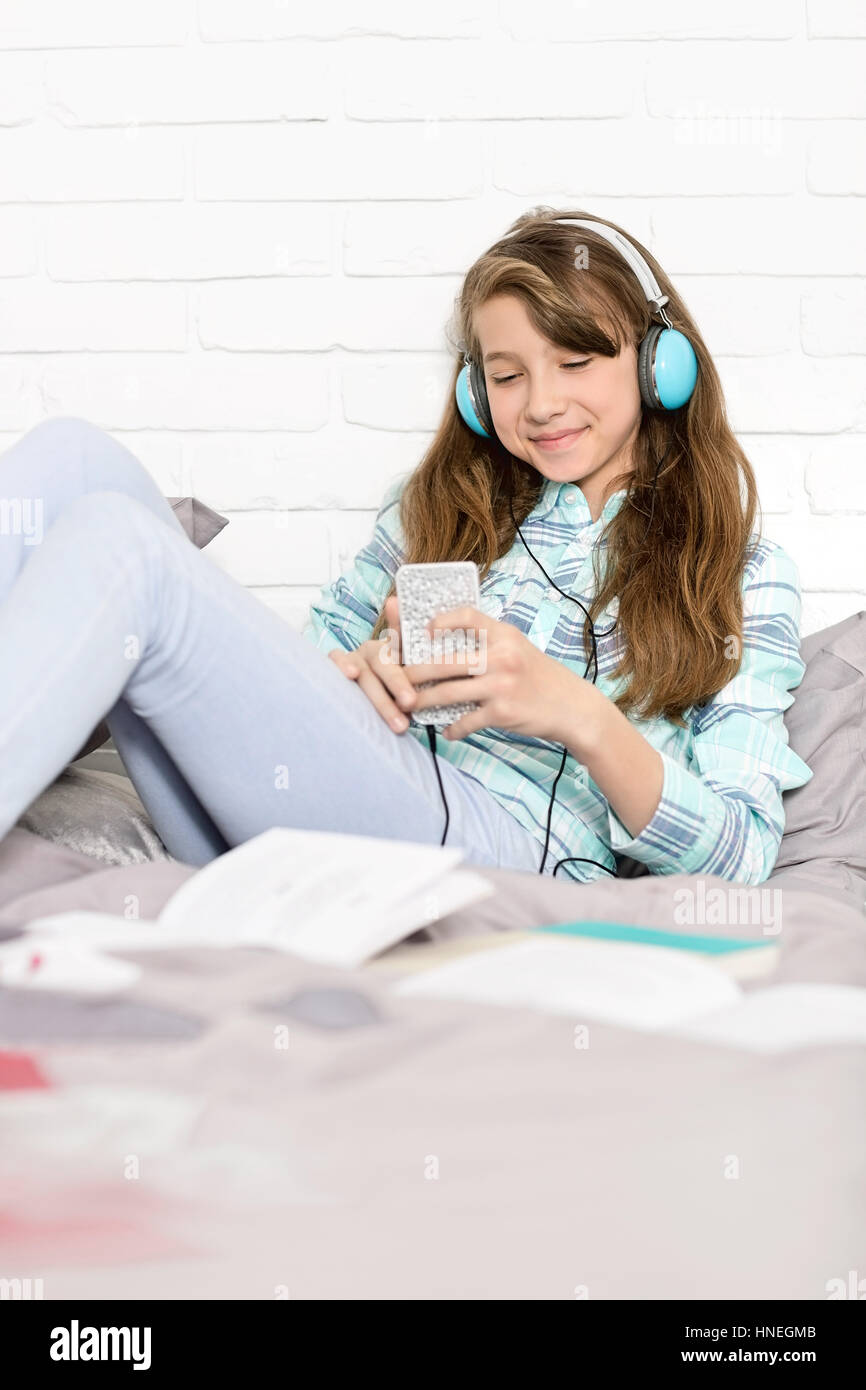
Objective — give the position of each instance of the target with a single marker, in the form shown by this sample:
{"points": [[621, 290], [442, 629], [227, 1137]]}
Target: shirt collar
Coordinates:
{"points": [[567, 500]]}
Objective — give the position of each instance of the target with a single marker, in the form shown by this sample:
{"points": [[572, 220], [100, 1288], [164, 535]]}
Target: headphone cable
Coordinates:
{"points": [[593, 660], [431, 739]]}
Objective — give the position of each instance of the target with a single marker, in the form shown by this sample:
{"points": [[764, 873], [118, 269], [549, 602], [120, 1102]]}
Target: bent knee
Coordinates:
{"points": [[62, 430], [114, 505], [73, 442]]}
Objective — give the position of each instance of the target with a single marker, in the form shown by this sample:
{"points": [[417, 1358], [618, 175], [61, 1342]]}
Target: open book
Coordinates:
{"points": [[327, 897]]}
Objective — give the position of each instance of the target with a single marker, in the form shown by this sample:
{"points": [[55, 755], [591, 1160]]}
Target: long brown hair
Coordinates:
{"points": [[679, 583]]}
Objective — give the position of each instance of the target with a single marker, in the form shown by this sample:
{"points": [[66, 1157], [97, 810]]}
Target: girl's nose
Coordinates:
{"points": [[545, 400]]}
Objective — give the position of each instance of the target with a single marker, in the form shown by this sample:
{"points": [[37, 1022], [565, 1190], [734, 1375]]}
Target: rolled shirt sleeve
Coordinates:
{"points": [[347, 609], [723, 814]]}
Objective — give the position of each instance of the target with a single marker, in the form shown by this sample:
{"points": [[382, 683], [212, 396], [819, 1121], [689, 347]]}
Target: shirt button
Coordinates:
{"points": [[569, 496]]}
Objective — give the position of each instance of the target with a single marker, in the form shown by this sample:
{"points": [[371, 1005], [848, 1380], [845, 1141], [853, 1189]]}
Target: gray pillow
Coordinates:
{"points": [[824, 844], [99, 814], [823, 848], [200, 522]]}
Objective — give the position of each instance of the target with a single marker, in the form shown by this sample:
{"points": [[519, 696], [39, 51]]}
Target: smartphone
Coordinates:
{"points": [[422, 592]]}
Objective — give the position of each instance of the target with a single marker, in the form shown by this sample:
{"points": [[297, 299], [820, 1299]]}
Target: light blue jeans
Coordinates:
{"points": [[226, 719]]}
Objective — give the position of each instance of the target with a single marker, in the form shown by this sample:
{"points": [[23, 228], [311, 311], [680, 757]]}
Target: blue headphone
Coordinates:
{"points": [[667, 366]]}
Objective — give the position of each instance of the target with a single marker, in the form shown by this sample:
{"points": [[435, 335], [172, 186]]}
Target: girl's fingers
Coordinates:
{"points": [[378, 697], [373, 688], [445, 670], [396, 681], [349, 668]]}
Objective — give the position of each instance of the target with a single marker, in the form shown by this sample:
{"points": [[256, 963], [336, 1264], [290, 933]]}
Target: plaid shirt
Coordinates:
{"points": [[721, 808]]}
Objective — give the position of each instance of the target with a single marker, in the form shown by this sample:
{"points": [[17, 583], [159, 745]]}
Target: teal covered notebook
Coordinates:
{"points": [[655, 936]]}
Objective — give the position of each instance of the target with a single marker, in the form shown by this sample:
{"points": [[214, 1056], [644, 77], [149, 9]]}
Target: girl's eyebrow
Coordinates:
{"points": [[515, 356]]}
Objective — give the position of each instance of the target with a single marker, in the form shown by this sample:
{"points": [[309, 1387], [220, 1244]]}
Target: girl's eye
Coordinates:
{"points": [[502, 380]]}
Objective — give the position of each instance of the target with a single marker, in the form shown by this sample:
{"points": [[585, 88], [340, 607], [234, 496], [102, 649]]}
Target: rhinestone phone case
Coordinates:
{"points": [[422, 592]]}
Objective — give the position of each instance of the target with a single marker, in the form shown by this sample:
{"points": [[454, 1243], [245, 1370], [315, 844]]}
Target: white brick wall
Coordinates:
{"points": [[231, 232]]}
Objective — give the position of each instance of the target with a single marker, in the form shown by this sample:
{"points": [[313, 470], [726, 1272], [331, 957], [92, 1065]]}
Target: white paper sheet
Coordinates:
{"points": [[786, 1016], [635, 986]]}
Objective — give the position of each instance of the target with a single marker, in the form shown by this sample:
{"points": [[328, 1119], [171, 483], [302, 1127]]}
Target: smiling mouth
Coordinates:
{"points": [[564, 438]]}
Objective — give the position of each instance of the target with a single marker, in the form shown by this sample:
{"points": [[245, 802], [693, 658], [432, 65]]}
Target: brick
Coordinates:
{"points": [[273, 548], [789, 393], [835, 19], [21, 91], [582, 21], [20, 395], [779, 463], [224, 391], [836, 475], [293, 315], [741, 315], [146, 85], [836, 157], [833, 317], [828, 551], [754, 89], [759, 236], [91, 24], [388, 80], [224, 20], [44, 164], [187, 241], [338, 466], [396, 391], [571, 160], [19, 255], [319, 161], [824, 610], [40, 317]]}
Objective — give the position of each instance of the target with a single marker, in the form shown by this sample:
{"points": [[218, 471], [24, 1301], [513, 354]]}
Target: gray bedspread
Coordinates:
{"points": [[230, 1130]]}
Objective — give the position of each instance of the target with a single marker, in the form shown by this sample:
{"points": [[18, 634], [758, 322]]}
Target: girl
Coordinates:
{"points": [[649, 727]]}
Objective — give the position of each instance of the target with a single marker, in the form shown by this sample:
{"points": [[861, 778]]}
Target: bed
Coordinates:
{"points": [[250, 1125]]}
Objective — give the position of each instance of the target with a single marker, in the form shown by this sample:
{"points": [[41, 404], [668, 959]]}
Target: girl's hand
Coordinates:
{"points": [[375, 665], [517, 686]]}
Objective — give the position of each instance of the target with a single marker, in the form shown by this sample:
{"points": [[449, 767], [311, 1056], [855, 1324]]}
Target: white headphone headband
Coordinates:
{"points": [[648, 282]]}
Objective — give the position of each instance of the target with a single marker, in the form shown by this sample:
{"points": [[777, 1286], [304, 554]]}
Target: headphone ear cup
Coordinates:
{"points": [[479, 390], [471, 407], [666, 356], [646, 353]]}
